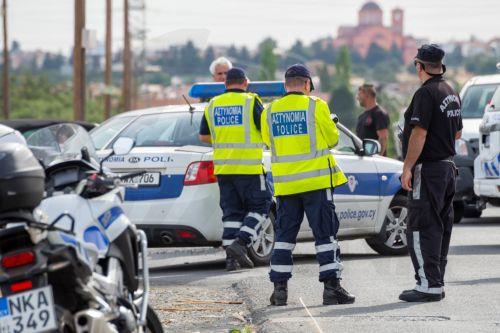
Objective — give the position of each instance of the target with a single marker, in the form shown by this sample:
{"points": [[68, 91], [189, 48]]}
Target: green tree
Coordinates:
{"points": [[375, 55], [455, 58], [268, 60], [325, 78], [343, 67], [208, 57], [342, 100], [232, 52], [481, 64], [396, 54], [244, 55], [342, 103]]}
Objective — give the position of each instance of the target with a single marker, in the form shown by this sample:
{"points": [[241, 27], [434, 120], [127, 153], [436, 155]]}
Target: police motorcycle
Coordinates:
{"points": [[72, 263]]}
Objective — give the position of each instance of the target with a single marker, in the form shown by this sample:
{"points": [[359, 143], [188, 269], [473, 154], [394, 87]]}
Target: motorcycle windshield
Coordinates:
{"points": [[61, 142]]}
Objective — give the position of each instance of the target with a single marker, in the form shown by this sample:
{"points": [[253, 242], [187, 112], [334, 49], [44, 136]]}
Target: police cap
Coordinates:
{"points": [[299, 70], [430, 53], [236, 73]]}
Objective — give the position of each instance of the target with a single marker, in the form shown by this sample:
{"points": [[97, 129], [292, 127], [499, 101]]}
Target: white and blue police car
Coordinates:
{"points": [[177, 200]]}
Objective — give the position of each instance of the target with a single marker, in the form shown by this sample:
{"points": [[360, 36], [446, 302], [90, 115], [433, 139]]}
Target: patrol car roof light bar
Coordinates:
{"points": [[261, 88]]}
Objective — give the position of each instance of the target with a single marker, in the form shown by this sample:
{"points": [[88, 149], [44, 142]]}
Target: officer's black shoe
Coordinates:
{"points": [[232, 264], [443, 294], [335, 294], [280, 294], [238, 251], [418, 296]]}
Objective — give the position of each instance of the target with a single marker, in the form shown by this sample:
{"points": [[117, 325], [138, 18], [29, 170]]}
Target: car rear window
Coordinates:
{"points": [[165, 130], [108, 130], [476, 98]]}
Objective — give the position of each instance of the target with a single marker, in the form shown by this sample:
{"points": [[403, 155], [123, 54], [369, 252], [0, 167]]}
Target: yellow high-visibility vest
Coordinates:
{"points": [[299, 131], [236, 140]]}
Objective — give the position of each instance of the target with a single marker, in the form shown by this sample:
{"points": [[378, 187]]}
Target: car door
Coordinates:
{"points": [[359, 198], [356, 201]]}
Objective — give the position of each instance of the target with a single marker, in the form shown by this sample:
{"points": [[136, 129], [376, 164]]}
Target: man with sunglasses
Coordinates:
{"points": [[432, 124], [299, 131]]}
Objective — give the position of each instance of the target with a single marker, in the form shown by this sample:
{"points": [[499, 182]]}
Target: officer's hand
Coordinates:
{"points": [[406, 180]]}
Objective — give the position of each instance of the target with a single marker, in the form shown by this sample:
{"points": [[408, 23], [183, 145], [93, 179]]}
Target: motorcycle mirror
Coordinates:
{"points": [[123, 146]]}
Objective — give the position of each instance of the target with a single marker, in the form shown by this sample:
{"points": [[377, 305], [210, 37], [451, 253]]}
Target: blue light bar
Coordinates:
{"points": [[261, 88]]}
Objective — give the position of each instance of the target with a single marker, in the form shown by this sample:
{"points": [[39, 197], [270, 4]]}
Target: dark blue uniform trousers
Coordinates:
{"points": [[430, 222], [245, 201], [320, 211]]}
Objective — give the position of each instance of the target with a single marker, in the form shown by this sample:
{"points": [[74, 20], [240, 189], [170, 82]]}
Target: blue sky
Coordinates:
{"points": [[48, 24]]}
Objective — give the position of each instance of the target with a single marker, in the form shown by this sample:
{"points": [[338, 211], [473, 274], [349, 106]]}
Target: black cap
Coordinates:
{"points": [[235, 73], [430, 53], [299, 70]]}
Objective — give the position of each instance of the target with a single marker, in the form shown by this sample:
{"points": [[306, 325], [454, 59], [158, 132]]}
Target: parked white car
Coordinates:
{"points": [[177, 201], [487, 164]]}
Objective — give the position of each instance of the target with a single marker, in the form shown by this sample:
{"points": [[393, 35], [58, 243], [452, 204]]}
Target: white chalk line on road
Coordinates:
{"points": [[311, 316]]}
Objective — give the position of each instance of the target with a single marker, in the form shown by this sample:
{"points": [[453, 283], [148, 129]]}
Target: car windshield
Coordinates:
{"points": [[61, 142], [102, 134], [165, 130], [476, 98]]}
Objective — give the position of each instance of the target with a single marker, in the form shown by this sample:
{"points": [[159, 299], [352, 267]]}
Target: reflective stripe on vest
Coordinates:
{"points": [[238, 162], [305, 175]]}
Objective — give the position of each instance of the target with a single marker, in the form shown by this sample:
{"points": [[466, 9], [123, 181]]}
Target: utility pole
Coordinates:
{"points": [[108, 73], [79, 62], [127, 61], [6, 63], [138, 31]]}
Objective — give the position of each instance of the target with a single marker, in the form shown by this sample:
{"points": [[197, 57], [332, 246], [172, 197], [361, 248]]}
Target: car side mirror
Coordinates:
{"points": [[123, 146], [334, 117], [371, 147]]}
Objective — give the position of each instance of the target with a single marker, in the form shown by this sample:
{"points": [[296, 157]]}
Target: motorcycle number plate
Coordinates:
{"points": [[146, 179], [27, 312]]}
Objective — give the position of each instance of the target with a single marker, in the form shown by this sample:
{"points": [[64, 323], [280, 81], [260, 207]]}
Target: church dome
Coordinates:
{"points": [[370, 5]]}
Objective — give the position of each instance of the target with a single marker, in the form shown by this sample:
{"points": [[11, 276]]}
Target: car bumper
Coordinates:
{"points": [[196, 210], [489, 188]]}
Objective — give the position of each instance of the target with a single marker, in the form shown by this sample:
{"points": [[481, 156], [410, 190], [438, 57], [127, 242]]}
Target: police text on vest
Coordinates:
{"points": [[289, 123], [228, 115]]}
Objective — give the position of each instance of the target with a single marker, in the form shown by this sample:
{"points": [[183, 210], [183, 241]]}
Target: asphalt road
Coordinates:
{"points": [[194, 294]]}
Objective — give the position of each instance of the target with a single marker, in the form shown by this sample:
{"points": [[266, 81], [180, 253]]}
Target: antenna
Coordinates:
{"points": [[191, 108]]}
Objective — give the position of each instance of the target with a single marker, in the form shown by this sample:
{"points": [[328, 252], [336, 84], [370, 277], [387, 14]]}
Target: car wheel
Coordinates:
{"points": [[392, 238], [261, 249], [458, 211]]}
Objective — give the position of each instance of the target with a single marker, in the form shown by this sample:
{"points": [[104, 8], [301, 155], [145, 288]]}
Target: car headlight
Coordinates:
{"points": [[461, 147]]}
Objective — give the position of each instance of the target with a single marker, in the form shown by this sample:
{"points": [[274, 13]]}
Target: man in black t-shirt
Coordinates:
{"points": [[374, 122], [432, 124]]}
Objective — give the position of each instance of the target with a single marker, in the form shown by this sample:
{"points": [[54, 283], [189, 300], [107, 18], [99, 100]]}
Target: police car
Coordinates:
{"points": [[177, 200], [487, 164]]}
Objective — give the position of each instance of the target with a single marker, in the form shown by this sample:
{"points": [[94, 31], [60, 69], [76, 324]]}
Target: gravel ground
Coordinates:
{"points": [[194, 307]]}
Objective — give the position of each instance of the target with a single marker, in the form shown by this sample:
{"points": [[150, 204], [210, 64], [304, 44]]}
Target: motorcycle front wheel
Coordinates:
{"points": [[153, 323]]}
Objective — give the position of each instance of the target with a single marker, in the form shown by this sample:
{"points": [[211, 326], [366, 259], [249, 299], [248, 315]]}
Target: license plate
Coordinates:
{"points": [[146, 179], [28, 312]]}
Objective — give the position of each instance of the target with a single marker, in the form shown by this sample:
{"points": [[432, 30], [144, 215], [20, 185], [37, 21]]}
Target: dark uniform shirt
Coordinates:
{"points": [[436, 108], [257, 111], [371, 121]]}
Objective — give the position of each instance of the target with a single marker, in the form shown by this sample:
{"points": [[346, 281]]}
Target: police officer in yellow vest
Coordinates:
{"points": [[232, 125], [299, 131]]}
